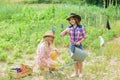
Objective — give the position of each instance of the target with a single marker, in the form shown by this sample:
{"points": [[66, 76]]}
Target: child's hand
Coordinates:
{"points": [[78, 43], [61, 34], [66, 31], [58, 51]]}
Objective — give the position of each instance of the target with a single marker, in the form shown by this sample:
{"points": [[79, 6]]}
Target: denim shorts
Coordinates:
{"points": [[71, 47]]}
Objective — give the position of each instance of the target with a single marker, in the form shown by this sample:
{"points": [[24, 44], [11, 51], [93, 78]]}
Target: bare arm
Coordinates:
{"points": [[79, 42], [66, 31]]}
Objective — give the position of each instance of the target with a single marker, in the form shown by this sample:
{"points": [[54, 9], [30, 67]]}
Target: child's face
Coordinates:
{"points": [[72, 21], [50, 38]]}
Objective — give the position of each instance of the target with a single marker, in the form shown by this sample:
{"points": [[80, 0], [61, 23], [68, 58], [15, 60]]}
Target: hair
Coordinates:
{"points": [[47, 43]]}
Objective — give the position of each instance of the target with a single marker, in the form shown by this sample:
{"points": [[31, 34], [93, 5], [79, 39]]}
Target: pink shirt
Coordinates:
{"points": [[43, 55], [76, 34]]}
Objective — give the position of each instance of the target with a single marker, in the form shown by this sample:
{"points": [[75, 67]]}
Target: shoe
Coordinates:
{"points": [[74, 75], [80, 75]]}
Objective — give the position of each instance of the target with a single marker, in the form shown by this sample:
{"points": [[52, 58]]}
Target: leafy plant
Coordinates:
{"points": [[95, 44], [3, 55]]}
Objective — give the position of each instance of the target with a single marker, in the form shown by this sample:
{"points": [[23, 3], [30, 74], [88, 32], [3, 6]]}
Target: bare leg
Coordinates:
{"points": [[76, 66], [80, 64]]}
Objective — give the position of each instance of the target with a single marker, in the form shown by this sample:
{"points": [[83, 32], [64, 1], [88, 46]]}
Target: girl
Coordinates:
{"points": [[77, 35], [44, 51]]}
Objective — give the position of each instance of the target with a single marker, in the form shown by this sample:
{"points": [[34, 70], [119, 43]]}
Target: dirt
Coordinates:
{"points": [[117, 39], [2, 68]]}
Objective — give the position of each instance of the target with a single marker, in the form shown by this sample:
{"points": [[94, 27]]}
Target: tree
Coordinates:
{"points": [[113, 2], [106, 3]]}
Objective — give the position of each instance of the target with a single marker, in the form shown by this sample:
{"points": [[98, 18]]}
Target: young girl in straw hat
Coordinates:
{"points": [[77, 35], [44, 51]]}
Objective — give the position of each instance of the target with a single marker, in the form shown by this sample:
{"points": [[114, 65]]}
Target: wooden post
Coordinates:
{"points": [[116, 2], [95, 19], [118, 10], [87, 22]]}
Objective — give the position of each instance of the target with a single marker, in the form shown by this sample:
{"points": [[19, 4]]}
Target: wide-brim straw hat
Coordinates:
{"points": [[49, 34], [73, 15]]}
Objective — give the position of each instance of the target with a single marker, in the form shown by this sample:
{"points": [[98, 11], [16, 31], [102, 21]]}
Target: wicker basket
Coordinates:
{"points": [[22, 73]]}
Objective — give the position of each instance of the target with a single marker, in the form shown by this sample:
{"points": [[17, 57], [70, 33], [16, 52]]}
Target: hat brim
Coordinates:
{"points": [[75, 16], [49, 36]]}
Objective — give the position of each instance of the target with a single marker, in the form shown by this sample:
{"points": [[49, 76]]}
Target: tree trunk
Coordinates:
{"points": [[114, 1], [106, 3]]}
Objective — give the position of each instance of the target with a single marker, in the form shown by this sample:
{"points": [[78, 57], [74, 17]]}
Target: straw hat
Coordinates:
{"points": [[74, 16], [48, 34]]}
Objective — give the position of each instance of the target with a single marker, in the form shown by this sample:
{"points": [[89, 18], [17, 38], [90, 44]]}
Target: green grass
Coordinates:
{"points": [[3, 56], [10, 60], [112, 50]]}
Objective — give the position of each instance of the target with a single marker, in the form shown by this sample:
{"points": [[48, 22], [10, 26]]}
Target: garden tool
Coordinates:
{"points": [[62, 26], [23, 71], [77, 53], [60, 68], [69, 64], [17, 69], [53, 30]]}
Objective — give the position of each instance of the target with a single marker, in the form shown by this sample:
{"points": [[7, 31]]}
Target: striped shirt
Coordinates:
{"points": [[76, 34]]}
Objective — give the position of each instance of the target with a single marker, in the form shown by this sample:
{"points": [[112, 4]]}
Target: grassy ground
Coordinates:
{"points": [[102, 66]]}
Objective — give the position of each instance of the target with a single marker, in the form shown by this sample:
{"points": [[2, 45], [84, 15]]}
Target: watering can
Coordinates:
{"points": [[77, 54]]}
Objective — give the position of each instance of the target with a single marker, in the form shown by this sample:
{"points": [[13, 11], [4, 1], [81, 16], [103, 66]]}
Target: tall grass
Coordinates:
{"points": [[3, 55]]}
